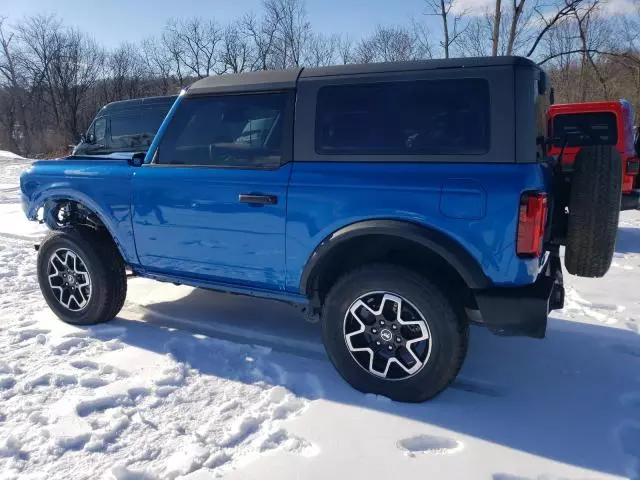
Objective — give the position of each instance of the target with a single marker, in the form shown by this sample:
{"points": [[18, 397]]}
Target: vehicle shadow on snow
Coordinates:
{"points": [[556, 398], [628, 240]]}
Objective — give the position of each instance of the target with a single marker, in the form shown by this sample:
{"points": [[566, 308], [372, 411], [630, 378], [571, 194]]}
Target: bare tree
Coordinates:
{"points": [[321, 50], [53, 79], [345, 49], [518, 8], [394, 44], [196, 42], [237, 53], [126, 68], [292, 30], [74, 71], [475, 41], [423, 40], [42, 40], [548, 19], [262, 35], [159, 63], [173, 45], [12, 106], [593, 37], [452, 21]]}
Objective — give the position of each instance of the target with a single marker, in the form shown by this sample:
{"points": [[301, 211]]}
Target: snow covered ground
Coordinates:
{"points": [[195, 385]]}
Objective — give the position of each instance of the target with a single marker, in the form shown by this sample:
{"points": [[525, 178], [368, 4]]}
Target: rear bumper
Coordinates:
{"points": [[630, 201], [523, 311]]}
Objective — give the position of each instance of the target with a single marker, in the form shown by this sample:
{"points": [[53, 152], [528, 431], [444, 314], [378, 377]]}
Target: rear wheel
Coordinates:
{"points": [[594, 210], [390, 331], [81, 276]]}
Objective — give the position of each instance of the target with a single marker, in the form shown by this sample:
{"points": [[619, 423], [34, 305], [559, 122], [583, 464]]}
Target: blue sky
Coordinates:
{"points": [[114, 21]]}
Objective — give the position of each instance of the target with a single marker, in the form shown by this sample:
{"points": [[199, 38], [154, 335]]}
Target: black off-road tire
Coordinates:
{"points": [[104, 265], [594, 210], [449, 332]]}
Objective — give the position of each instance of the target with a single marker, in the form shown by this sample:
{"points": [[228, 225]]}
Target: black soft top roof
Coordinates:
{"points": [[287, 79], [137, 103]]}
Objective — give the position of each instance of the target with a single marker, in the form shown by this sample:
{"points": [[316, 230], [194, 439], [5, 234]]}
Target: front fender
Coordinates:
{"points": [[102, 188]]}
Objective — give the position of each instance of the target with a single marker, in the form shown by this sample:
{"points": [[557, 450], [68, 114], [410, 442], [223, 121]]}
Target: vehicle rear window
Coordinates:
{"points": [[226, 131], [583, 129], [430, 117]]}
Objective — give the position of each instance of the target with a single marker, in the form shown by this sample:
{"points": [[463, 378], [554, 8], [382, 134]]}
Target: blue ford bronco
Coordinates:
{"points": [[395, 203]]}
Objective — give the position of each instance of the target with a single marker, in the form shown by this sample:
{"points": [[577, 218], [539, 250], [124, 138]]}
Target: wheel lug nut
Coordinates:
{"points": [[373, 330], [381, 322], [393, 327], [377, 343], [390, 347], [398, 339]]}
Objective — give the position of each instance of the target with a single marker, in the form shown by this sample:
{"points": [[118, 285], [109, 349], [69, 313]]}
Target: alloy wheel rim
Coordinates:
{"points": [[69, 279], [387, 335]]}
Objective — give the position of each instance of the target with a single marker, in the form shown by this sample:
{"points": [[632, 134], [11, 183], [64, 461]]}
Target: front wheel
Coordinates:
{"points": [[81, 276], [390, 331]]}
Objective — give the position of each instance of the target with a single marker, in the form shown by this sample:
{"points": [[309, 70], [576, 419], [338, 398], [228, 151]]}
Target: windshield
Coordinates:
{"points": [[584, 129]]}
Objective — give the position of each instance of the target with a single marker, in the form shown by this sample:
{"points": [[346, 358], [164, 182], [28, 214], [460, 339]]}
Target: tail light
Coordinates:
{"points": [[531, 223]]}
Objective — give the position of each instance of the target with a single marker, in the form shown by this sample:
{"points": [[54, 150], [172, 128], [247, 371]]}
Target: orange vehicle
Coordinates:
{"points": [[575, 125]]}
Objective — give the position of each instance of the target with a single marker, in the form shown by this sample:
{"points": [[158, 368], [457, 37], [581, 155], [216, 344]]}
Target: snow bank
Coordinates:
{"points": [[10, 155]]}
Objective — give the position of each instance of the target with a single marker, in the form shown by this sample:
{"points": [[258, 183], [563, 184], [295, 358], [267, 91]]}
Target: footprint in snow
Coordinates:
{"points": [[24, 334], [281, 439], [84, 364], [430, 445]]}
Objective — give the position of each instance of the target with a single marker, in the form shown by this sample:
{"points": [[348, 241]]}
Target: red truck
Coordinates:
{"points": [[576, 125]]}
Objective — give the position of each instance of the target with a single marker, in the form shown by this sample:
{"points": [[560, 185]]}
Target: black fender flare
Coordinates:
{"points": [[448, 249]]}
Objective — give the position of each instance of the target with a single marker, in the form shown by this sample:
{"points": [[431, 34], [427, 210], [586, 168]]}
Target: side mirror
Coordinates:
{"points": [[137, 159], [91, 138], [552, 96]]}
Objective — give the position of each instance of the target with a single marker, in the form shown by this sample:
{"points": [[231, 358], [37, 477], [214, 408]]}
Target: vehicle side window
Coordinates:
{"points": [[100, 130], [583, 129], [125, 131], [151, 121], [226, 131], [426, 117]]}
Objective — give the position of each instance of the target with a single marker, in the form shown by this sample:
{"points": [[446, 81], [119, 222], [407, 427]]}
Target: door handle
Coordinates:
{"points": [[257, 199]]}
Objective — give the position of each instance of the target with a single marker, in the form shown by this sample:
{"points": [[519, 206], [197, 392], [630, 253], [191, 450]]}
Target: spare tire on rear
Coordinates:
{"points": [[594, 209]]}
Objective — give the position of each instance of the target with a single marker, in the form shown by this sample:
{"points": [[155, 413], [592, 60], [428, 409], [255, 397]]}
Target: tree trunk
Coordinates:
{"points": [[517, 12], [445, 27], [495, 37]]}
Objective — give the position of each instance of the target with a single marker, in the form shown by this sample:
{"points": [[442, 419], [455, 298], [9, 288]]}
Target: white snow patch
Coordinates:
{"points": [[194, 385], [10, 155]]}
